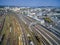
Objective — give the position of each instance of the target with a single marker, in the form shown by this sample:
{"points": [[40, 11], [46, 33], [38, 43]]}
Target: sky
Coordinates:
{"points": [[30, 2]]}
